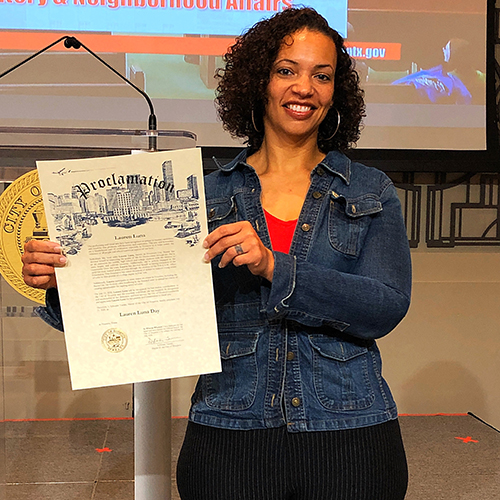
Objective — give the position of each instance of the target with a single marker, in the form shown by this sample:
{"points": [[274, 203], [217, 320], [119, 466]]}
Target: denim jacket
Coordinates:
{"points": [[301, 351]]}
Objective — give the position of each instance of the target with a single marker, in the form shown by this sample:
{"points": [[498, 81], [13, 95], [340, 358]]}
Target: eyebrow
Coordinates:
{"points": [[291, 61]]}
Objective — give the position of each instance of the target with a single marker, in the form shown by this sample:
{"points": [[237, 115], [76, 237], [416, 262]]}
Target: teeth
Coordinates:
{"points": [[300, 109]]}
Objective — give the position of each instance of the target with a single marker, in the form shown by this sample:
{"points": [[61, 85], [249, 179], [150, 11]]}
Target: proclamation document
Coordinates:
{"points": [[136, 297]]}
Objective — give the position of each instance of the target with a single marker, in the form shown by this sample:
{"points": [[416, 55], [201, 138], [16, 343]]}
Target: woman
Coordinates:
{"points": [[297, 324], [310, 265]]}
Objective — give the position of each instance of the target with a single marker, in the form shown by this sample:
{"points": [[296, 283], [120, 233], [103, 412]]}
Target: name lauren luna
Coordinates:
{"points": [[130, 237]]}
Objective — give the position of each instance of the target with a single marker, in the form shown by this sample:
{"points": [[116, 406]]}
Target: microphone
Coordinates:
{"points": [[70, 42]]}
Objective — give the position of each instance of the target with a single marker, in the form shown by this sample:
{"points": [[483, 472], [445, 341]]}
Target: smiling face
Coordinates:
{"points": [[300, 90]]}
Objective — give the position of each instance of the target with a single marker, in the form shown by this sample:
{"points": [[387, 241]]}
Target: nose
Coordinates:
{"points": [[303, 86]]}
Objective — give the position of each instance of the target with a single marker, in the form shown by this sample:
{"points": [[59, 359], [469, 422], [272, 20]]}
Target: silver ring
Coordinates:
{"points": [[238, 249]]}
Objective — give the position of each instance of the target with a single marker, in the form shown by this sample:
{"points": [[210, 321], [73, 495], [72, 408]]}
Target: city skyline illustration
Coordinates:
{"points": [[134, 200]]}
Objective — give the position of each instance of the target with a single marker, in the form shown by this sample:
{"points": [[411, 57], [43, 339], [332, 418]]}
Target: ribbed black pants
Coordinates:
{"points": [[272, 464]]}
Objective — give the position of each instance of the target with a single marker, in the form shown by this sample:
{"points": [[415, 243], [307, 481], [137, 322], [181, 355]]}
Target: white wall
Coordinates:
{"points": [[445, 355]]}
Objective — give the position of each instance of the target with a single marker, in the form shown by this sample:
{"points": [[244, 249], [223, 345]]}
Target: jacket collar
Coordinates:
{"points": [[229, 167], [335, 162], [338, 163]]}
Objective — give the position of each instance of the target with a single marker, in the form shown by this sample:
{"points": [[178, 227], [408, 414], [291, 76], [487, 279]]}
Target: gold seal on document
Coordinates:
{"points": [[114, 340], [22, 218]]}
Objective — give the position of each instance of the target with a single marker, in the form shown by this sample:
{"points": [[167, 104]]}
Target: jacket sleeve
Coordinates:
{"points": [[51, 313], [367, 303]]}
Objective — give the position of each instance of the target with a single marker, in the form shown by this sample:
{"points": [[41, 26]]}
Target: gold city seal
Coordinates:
{"points": [[114, 340], [22, 218]]}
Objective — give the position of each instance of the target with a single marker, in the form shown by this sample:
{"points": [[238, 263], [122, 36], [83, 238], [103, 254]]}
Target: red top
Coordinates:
{"points": [[281, 232]]}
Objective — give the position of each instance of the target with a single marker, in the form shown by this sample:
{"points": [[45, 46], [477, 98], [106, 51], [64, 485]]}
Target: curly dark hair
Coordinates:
{"points": [[243, 82]]}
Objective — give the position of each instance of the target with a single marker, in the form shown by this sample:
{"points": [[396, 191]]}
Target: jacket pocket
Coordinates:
{"points": [[236, 386], [349, 220], [221, 211], [340, 373]]}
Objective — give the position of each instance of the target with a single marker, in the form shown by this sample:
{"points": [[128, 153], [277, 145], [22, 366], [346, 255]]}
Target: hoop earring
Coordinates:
{"points": [[253, 123], [336, 128]]}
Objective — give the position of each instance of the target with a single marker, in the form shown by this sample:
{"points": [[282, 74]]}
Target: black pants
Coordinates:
{"points": [[356, 464]]}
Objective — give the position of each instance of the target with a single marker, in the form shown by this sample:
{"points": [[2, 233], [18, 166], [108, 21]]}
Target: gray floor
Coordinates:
{"points": [[58, 460]]}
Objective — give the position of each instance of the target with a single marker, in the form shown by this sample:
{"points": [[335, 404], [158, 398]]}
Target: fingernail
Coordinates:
{"points": [[206, 258], [63, 259], [205, 244]]}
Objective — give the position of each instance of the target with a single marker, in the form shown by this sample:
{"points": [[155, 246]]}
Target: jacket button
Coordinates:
{"points": [[306, 227], [211, 213], [320, 171], [290, 356], [296, 402], [316, 195]]}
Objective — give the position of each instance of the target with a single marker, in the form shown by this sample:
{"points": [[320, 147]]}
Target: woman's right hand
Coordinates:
{"points": [[40, 259]]}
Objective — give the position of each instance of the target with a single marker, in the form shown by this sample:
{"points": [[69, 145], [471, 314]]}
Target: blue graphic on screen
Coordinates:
{"points": [[203, 17], [438, 85]]}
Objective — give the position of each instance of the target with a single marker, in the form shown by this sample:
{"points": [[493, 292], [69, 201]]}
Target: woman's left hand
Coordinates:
{"points": [[239, 244]]}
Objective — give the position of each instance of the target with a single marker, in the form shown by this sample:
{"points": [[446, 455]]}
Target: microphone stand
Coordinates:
{"points": [[152, 400], [72, 42]]}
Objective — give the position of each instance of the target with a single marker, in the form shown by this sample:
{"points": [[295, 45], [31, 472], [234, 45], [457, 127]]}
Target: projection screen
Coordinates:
{"points": [[422, 65]]}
